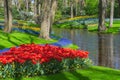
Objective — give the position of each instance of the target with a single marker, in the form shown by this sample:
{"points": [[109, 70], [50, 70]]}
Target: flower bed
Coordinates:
{"points": [[33, 59]]}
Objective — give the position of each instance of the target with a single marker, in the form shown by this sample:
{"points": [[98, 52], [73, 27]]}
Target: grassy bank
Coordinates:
{"points": [[89, 23], [92, 73], [114, 29], [17, 38]]}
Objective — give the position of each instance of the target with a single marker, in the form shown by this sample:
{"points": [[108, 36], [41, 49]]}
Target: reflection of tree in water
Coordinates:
{"points": [[72, 32], [105, 56]]}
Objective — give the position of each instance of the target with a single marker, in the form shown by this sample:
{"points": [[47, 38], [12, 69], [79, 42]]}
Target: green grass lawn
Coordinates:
{"points": [[114, 29], [92, 73], [17, 38]]}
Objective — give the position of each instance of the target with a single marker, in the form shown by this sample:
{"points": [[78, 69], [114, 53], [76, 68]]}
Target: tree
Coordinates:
{"points": [[119, 6], [8, 15], [37, 11], [76, 7], [48, 13], [19, 7], [52, 13], [2, 4], [111, 13], [72, 12], [27, 5], [102, 10]]}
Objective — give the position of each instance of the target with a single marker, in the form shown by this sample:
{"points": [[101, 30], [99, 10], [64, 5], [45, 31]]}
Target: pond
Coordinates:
{"points": [[104, 48]]}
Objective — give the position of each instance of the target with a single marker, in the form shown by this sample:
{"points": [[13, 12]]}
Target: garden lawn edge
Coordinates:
{"points": [[91, 73]]}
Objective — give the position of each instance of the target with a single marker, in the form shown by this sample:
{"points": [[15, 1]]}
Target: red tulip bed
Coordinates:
{"points": [[33, 59]]}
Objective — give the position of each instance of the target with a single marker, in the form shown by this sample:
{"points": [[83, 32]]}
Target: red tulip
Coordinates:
{"points": [[39, 53]]}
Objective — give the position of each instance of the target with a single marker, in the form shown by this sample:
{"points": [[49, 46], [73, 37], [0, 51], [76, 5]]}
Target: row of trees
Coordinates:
{"points": [[43, 11], [44, 14]]}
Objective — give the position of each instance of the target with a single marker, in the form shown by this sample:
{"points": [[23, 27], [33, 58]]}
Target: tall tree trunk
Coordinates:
{"points": [[8, 15], [45, 24], [111, 13], [48, 14], [82, 4], [119, 6], [52, 13], [2, 3], [37, 11], [17, 4], [102, 10], [66, 3], [71, 4], [76, 7], [27, 5]]}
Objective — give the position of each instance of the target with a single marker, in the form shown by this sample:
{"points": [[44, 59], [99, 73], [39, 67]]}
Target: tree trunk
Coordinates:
{"points": [[65, 3], [82, 4], [71, 3], [76, 7], [17, 4], [37, 11], [8, 15], [111, 13], [52, 13], [102, 10], [48, 14], [2, 3], [44, 33], [27, 5], [119, 6]]}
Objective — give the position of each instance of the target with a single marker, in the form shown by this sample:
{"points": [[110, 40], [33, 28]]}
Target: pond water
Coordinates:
{"points": [[104, 48]]}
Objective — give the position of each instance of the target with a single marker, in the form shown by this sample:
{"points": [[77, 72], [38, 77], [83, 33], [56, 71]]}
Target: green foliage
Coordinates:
{"points": [[91, 7], [114, 29], [31, 24], [77, 63], [81, 23], [92, 73], [116, 10], [69, 25], [1, 20], [93, 28], [58, 15], [15, 13], [72, 46], [1, 12], [28, 69], [116, 21], [91, 24]]}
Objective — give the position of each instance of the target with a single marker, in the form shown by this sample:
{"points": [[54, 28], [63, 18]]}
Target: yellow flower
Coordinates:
{"points": [[76, 18]]}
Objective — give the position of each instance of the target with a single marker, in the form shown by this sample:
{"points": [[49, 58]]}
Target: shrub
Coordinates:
{"points": [[32, 59]]}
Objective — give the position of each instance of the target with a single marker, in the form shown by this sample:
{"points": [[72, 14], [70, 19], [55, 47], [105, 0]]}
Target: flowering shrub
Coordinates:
{"points": [[32, 59], [78, 18]]}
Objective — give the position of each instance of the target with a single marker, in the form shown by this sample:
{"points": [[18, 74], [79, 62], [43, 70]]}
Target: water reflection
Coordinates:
{"points": [[104, 48], [105, 55]]}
